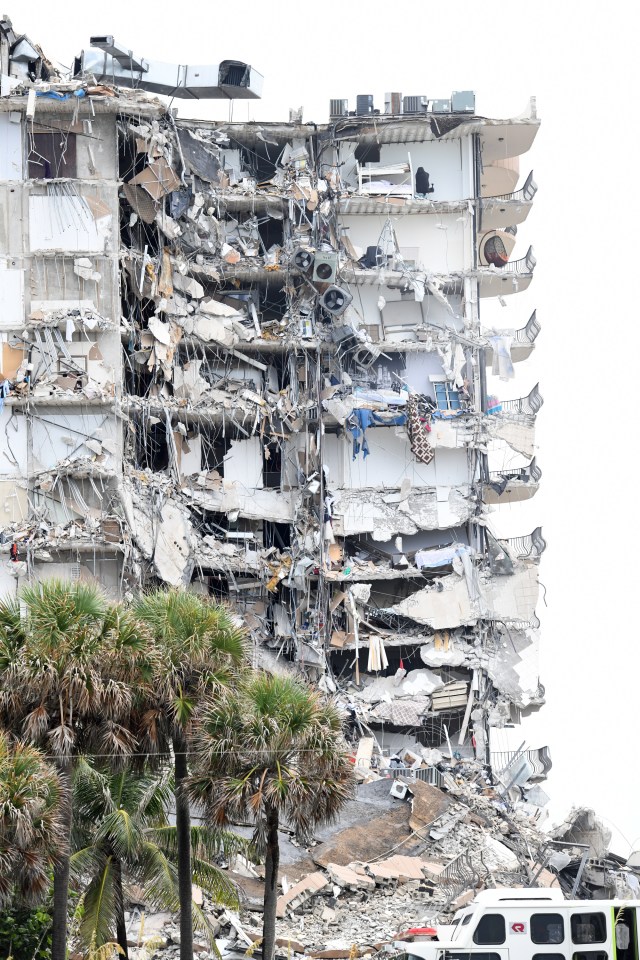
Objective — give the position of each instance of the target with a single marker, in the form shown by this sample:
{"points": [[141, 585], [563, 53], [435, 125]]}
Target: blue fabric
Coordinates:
{"points": [[53, 95], [397, 420], [364, 419]]}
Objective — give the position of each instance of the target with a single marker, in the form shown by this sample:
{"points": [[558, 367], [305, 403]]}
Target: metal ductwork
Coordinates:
{"points": [[113, 63]]}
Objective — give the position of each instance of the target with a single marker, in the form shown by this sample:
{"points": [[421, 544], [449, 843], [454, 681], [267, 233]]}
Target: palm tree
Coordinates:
{"points": [[122, 834], [68, 662], [30, 798], [270, 752], [202, 648]]}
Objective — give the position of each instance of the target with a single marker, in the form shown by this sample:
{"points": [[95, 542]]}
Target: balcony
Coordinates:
{"points": [[506, 209], [514, 277], [522, 340], [529, 547], [523, 406], [512, 486]]}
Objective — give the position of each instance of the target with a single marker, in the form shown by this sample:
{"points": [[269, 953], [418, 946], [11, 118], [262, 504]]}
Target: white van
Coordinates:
{"points": [[535, 924]]}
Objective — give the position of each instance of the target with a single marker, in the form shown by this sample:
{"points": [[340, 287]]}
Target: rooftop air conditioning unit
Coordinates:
{"points": [[338, 108], [441, 106], [393, 103], [415, 104], [364, 104], [463, 101]]}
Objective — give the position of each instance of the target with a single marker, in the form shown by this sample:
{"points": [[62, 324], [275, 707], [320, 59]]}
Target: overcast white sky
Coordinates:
{"points": [[578, 60]]}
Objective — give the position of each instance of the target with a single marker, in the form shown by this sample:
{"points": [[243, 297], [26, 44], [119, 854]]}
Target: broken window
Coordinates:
{"points": [[52, 155], [547, 928], [447, 397], [490, 930], [272, 466], [588, 927], [367, 153]]}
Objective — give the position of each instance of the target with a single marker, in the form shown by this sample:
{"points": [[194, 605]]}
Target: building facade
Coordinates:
{"points": [[250, 360]]}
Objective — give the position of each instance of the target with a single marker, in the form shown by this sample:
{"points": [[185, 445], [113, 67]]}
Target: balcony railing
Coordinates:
{"points": [[528, 405], [529, 474], [522, 267], [526, 192], [527, 548], [529, 332], [539, 759]]}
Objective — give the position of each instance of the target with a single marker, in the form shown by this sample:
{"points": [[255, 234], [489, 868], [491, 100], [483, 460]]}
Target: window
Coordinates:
{"points": [[588, 928], [548, 956], [52, 155], [447, 397], [591, 955], [491, 929], [547, 928], [455, 955]]}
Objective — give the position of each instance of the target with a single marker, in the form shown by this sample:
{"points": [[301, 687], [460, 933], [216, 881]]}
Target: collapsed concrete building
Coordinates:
{"points": [[250, 359]]}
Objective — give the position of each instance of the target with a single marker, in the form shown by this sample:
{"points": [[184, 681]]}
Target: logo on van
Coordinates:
{"points": [[518, 928]]}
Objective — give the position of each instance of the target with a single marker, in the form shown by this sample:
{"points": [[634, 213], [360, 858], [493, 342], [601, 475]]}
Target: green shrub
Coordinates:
{"points": [[25, 935]]}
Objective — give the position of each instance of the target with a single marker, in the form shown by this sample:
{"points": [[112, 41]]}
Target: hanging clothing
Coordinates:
{"points": [[420, 446], [502, 363], [363, 419]]}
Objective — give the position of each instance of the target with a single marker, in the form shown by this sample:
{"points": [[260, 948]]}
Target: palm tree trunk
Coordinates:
{"points": [[271, 867], [61, 871], [183, 837], [121, 927]]}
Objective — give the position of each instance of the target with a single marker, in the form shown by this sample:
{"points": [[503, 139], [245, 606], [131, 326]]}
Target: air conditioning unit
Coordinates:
{"points": [[393, 103], [441, 106], [415, 104], [338, 108], [303, 259], [364, 104], [335, 300], [325, 267], [399, 790], [463, 101]]}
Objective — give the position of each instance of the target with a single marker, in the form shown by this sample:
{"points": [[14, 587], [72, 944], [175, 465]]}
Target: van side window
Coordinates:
{"points": [[455, 955], [588, 928], [548, 956], [490, 930], [547, 928], [591, 955]]}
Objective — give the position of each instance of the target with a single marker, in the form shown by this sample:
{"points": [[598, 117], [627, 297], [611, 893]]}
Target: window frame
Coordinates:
{"points": [[556, 917], [451, 399], [492, 943], [591, 913]]}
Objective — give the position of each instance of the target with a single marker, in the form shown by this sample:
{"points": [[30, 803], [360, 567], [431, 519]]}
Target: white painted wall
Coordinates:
{"points": [[13, 443], [10, 146], [243, 463], [446, 161], [96, 153], [9, 585], [390, 461], [66, 223], [439, 250], [61, 436], [11, 297], [442, 159]]}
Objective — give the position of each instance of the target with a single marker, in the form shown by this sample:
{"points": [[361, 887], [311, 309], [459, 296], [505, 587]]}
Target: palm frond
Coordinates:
{"points": [[99, 915]]}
